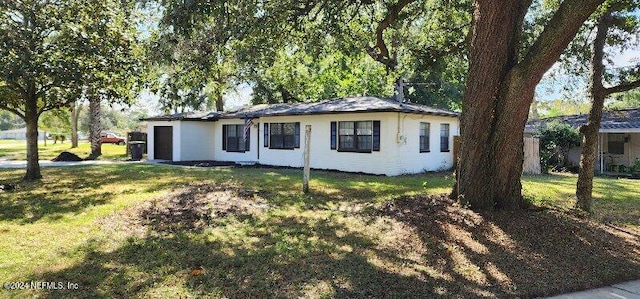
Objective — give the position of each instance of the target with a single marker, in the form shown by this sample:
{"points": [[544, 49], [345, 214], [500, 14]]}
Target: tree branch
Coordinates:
{"points": [[15, 86], [54, 105], [12, 110], [558, 33], [382, 55], [626, 86]]}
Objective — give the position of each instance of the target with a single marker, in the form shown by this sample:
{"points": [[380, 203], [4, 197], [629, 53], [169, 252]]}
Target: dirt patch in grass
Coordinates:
{"points": [[523, 253], [189, 208]]}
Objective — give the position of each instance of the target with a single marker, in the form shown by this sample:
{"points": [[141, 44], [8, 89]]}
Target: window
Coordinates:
{"points": [[444, 137], [615, 143], [424, 137], [357, 136], [233, 138], [284, 135]]}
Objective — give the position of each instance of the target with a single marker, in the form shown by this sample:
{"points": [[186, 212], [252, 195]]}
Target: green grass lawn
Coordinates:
{"points": [[83, 225], [16, 150]]}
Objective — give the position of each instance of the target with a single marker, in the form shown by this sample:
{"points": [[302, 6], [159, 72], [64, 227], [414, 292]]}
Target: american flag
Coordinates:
{"points": [[247, 126]]}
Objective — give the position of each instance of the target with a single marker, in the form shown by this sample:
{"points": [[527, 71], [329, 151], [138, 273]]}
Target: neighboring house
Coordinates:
{"points": [[357, 134], [618, 138], [18, 134]]}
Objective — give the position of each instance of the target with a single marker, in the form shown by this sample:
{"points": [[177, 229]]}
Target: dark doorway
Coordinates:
{"points": [[163, 143]]}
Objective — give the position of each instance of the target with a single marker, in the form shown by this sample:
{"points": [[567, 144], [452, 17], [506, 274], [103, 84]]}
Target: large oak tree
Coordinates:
{"points": [[499, 90]]}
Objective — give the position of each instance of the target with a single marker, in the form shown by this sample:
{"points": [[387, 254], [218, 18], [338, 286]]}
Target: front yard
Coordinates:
{"points": [[163, 231], [16, 150]]}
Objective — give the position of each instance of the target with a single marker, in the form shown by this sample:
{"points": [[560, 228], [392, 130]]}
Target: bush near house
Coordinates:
{"points": [[556, 139]]}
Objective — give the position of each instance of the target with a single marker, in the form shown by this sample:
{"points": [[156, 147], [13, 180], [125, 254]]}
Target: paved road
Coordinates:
{"points": [[625, 290]]}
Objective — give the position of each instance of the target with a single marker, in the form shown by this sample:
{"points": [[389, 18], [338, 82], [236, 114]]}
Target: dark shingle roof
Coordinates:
{"points": [[194, 116], [341, 105], [611, 120]]}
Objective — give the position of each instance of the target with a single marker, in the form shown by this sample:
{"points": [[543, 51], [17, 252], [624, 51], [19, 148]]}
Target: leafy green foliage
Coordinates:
{"points": [[296, 76], [558, 107], [310, 50], [556, 139], [37, 55], [629, 99], [624, 27], [56, 121], [51, 51], [113, 119]]}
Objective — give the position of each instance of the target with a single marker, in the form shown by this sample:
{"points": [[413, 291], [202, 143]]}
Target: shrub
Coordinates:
{"points": [[556, 139]]}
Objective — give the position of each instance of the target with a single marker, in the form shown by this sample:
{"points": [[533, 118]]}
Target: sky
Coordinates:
{"points": [[549, 89], [232, 99]]}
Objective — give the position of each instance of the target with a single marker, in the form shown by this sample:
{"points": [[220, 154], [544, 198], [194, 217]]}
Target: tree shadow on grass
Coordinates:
{"points": [[420, 247], [249, 253], [29, 207], [523, 253], [276, 266]]}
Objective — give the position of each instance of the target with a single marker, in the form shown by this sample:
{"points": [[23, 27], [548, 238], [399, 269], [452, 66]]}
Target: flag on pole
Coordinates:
{"points": [[247, 126]]}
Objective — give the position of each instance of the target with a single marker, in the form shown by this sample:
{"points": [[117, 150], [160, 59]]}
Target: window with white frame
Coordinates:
{"points": [[444, 137], [425, 129]]}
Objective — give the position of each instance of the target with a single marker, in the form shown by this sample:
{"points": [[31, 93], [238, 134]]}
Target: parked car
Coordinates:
{"points": [[112, 138]]}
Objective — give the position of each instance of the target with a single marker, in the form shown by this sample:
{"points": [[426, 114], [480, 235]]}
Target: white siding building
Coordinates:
{"points": [[363, 134]]}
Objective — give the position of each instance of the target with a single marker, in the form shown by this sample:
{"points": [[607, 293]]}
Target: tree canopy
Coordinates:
{"points": [[310, 50], [50, 50]]}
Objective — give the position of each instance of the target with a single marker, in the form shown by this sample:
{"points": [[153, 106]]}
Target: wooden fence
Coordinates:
{"points": [[531, 163]]}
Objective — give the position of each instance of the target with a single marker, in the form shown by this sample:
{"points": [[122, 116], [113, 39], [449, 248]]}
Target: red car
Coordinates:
{"points": [[112, 138]]}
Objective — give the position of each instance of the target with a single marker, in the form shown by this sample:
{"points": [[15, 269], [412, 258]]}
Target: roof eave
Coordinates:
{"points": [[256, 115]]}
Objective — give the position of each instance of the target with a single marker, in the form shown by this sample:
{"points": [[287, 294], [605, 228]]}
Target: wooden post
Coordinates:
{"points": [[126, 146], [307, 166], [45, 138]]}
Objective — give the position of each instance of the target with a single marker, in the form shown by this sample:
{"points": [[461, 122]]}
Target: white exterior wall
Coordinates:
{"points": [[394, 158], [197, 141], [322, 156], [176, 138], [399, 143], [409, 159], [248, 156], [633, 148]]}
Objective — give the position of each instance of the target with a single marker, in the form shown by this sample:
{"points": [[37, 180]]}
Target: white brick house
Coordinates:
{"points": [[359, 134]]}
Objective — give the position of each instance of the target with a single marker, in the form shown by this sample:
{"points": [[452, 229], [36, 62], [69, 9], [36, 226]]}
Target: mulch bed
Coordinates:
{"points": [[67, 157], [203, 163], [525, 253]]}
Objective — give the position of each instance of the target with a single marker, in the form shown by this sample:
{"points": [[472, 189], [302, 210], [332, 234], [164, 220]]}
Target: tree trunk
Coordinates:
{"points": [[75, 113], [598, 93], [31, 119], [95, 125], [590, 130], [499, 92], [491, 149], [219, 102]]}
